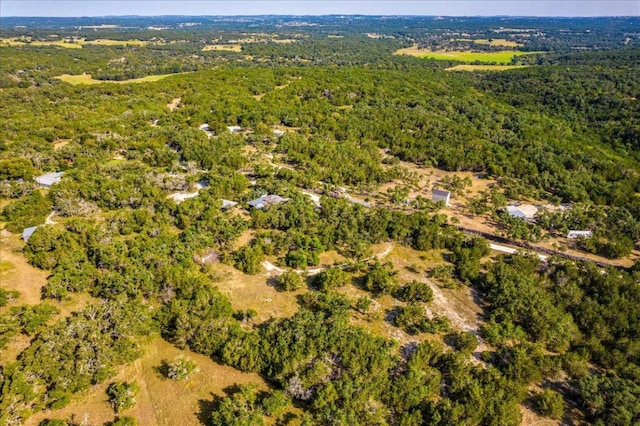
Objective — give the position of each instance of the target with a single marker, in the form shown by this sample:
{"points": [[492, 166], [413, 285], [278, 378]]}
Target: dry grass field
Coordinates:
{"points": [[160, 401], [68, 43], [87, 79], [222, 47]]}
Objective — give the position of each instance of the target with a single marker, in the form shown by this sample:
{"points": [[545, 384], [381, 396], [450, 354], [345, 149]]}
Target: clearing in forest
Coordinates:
{"points": [[496, 42], [223, 47], [502, 57], [160, 401], [485, 67], [87, 79]]}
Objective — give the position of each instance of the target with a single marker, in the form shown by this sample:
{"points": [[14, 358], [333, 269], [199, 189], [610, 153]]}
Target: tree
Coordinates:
{"points": [[122, 395], [548, 403], [416, 291], [331, 278], [381, 279], [181, 368], [290, 280]]}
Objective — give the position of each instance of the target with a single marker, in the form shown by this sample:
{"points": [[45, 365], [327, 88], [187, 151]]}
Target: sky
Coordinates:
{"points": [[321, 7]]}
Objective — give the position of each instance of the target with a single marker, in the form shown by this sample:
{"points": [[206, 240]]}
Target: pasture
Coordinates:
{"points": [[87, 79], [501, 57], [222, 48]]}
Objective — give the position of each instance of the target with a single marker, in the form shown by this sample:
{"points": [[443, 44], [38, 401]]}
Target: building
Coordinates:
{"points": [[524, 211], [439, 195], [579, 234], [234, 129], [49, 179], [226, 204], [27, 232], [266, 201]]}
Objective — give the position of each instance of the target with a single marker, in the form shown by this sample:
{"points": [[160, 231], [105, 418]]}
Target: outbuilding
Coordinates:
{"points": [[266, 201], [579, 234], [49, 179], [28, 232], [440, 195]]}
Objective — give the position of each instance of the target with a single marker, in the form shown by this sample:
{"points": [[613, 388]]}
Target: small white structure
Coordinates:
{"points": [[234, 129], [205, 128], [28, 232], [278, 132], [438, 195], [49, 179], [226, 204], [579, 234], [266, 201]]}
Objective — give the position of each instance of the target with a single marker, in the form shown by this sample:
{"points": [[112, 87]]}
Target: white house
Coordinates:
{"points": [[234, 129], [579, 234], [266, 201], [438, 195], [524, 211], [27, 232], [49, 179]]}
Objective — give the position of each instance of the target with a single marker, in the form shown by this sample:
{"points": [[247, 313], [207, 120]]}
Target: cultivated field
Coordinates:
{"points": [[503, 57]]}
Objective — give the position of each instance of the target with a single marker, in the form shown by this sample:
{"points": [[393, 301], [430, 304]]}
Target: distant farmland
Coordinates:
{"points": [[501, 57]]}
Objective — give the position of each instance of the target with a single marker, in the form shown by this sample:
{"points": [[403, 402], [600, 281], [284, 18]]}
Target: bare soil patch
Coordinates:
{"points": [[174, 104], [22, 277]]}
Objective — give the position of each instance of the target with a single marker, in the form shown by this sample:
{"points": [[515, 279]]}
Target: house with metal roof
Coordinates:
{"points": [[49, 179], [28, 232], [579, 234], [266, 201]]}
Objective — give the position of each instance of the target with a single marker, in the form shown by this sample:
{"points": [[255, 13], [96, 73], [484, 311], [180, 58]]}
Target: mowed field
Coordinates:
{"points": [[87, 79], [502, 57]]}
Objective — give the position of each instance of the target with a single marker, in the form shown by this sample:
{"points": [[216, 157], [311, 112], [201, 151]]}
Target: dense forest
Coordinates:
{"points": [[320, 112]]}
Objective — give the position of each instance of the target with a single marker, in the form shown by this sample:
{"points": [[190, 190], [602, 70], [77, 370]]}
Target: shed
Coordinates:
{"points": [[49, 179], [234, 129], [579, 234], [226, 204], [438, 195], [27, 232], [266, 201], [523, 211]]}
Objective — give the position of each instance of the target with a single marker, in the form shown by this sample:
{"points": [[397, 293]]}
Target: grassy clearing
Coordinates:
{"points": [[68, 43], [498, 42], [6, 266], [107, 42], [222, 47], [485, 67], [87, 79], [160, 401], [23, 277], [254, 292], [503, 57]]}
